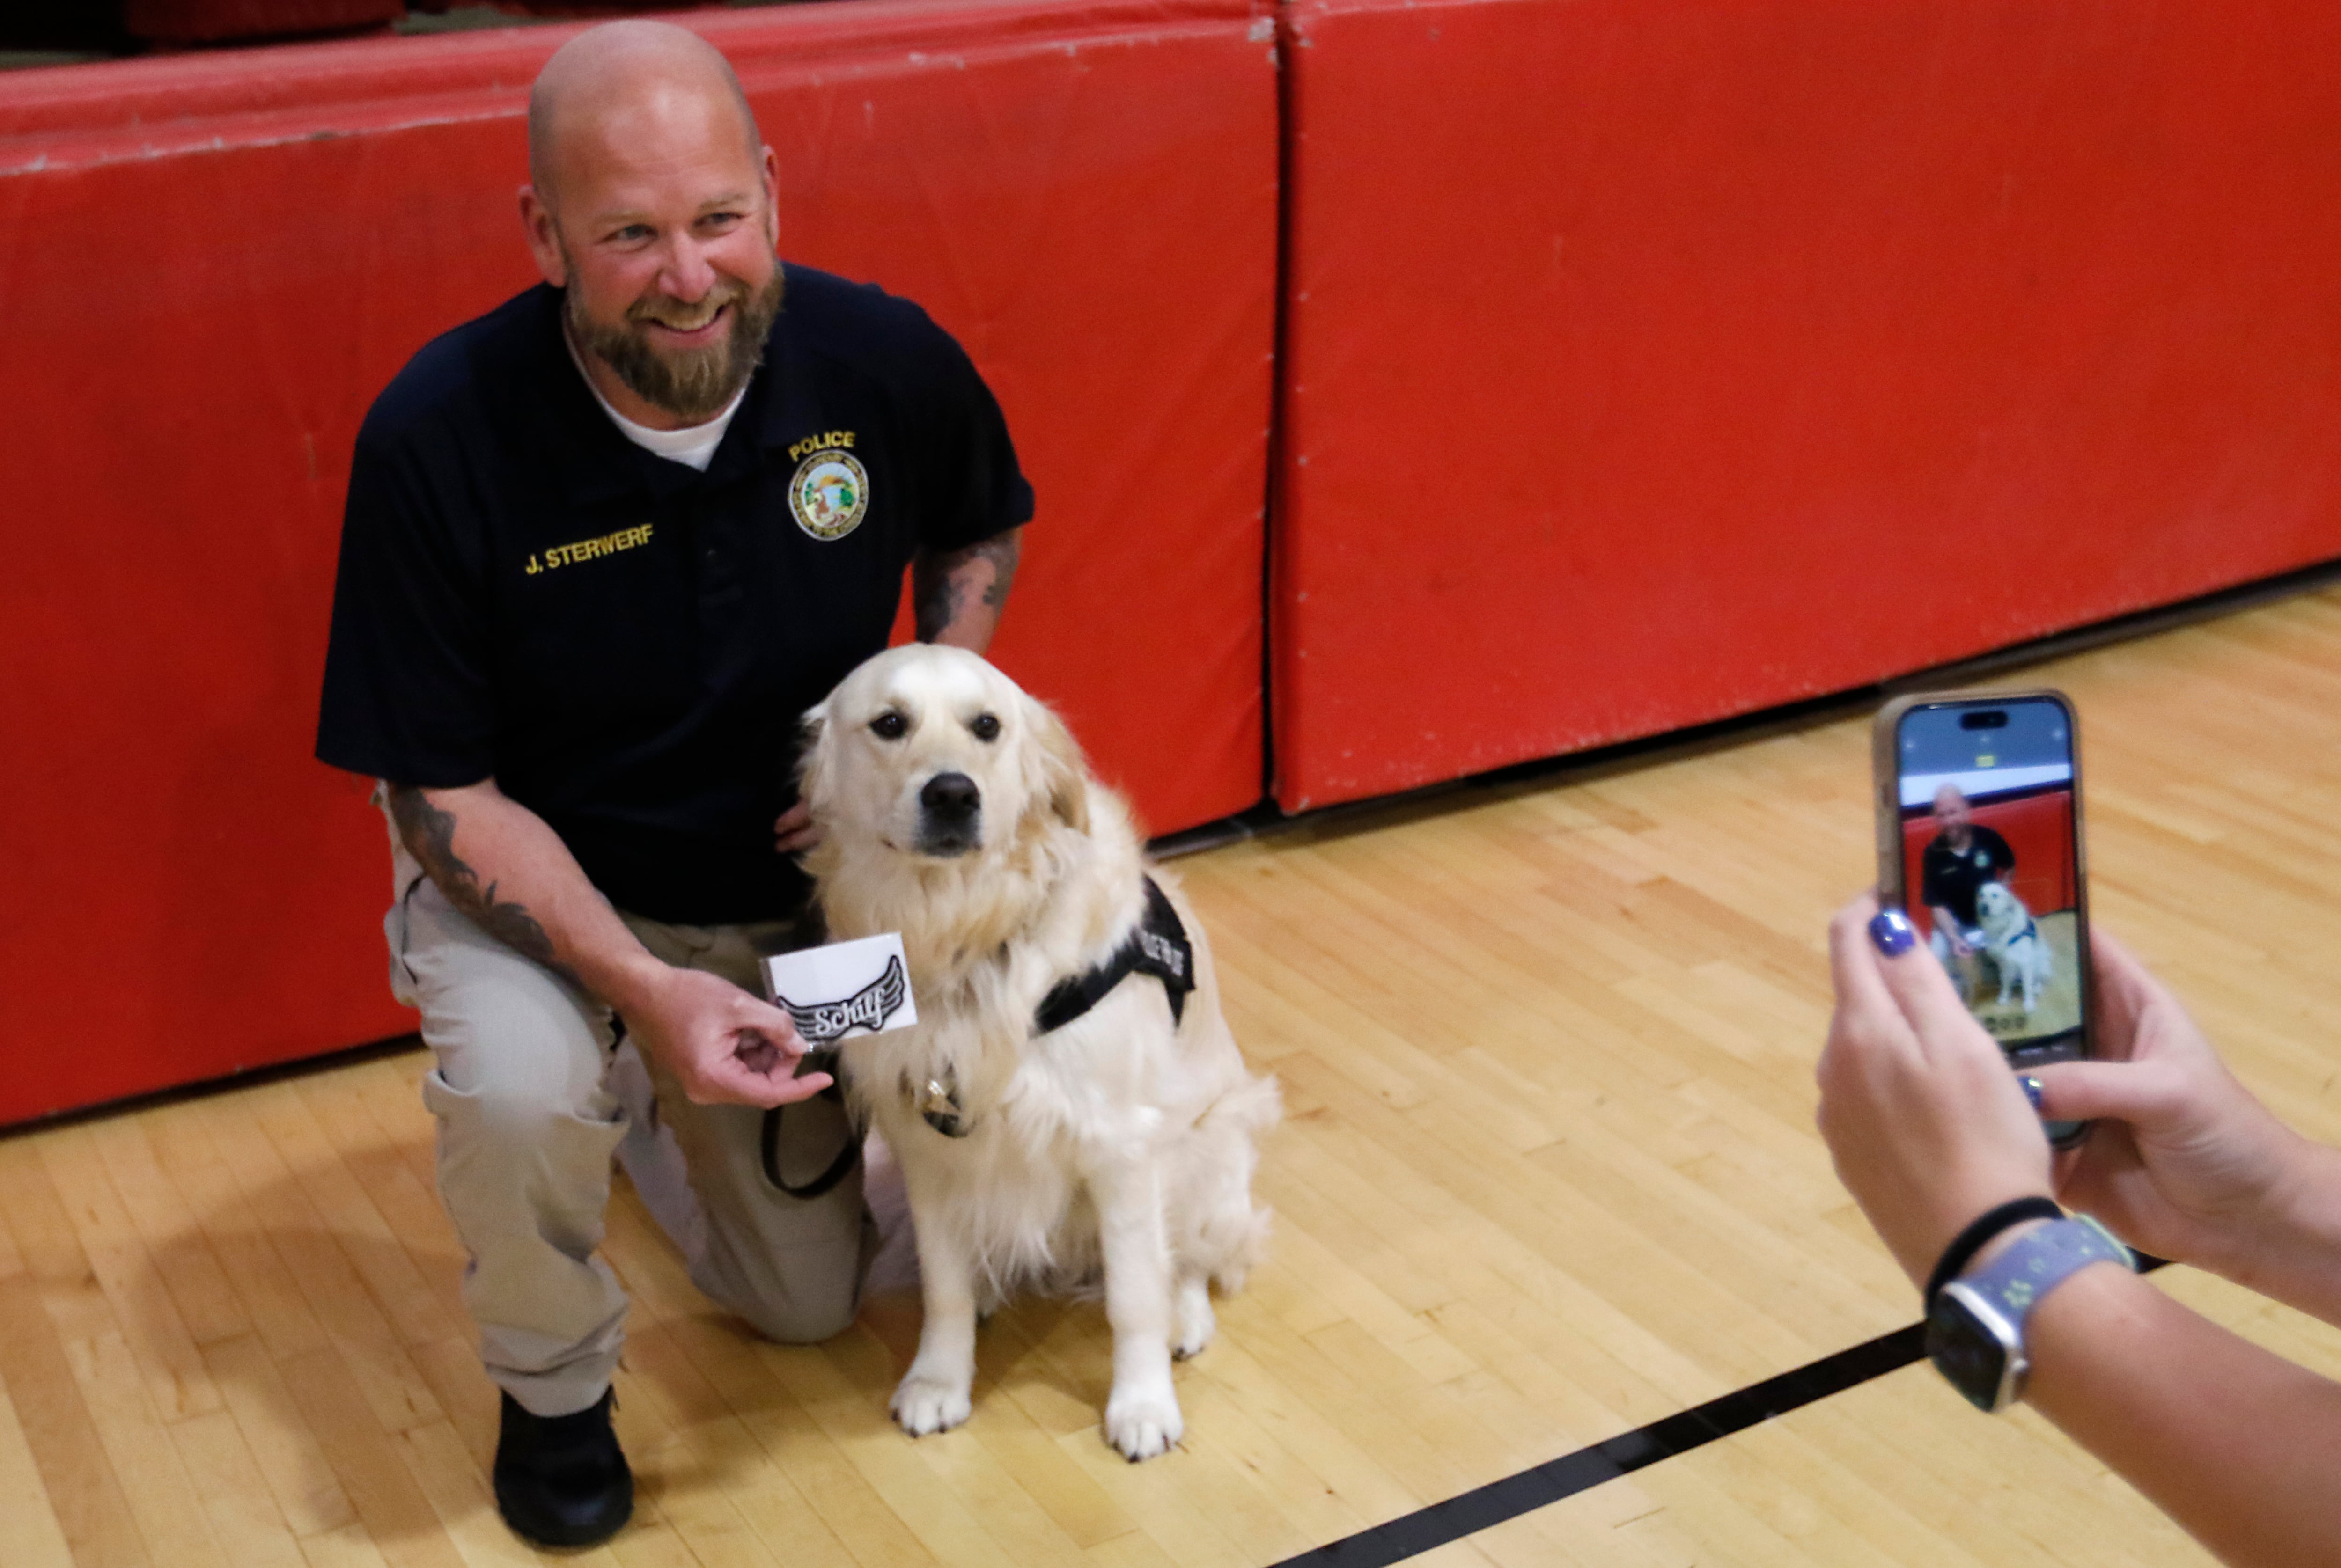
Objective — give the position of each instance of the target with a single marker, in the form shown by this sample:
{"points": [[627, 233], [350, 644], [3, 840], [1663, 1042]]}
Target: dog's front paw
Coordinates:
{"points": [[923, 1403], [1143, 1425]]}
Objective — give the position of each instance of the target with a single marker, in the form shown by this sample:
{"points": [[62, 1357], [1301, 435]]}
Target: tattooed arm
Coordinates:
{"points": [[499, 863], [596, 952], [957, 598]]}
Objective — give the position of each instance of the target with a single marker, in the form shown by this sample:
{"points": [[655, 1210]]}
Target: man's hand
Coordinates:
{"points": [[723, 1044], [793, 830], [1950, 928], [1922, 1116]]}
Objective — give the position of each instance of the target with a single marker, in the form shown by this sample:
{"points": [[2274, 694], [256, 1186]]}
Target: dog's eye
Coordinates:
{"points": [[985, 727], [890, 726]]}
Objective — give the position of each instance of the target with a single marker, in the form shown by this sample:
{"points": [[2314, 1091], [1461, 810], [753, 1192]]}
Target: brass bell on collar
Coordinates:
{"points": [[941, 1107]]}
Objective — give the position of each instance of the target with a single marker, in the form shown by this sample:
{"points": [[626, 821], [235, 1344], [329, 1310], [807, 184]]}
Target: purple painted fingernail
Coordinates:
{"points": [[2031, 1090], [1891, 930]]}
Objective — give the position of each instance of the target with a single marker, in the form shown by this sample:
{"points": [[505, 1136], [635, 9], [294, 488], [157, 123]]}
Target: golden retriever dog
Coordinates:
{"points": [[1039, 1150], [2012, 939]]}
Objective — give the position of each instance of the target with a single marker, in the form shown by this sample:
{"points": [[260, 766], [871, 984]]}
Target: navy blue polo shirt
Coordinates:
{"points": [[625, 644]]}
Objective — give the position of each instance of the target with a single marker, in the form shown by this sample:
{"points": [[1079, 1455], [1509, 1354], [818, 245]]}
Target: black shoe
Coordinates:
{"points": [[562, 1480]]}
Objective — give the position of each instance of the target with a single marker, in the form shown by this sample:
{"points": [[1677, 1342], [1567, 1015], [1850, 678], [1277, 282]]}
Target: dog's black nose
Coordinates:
{"points": [[950, 796]]}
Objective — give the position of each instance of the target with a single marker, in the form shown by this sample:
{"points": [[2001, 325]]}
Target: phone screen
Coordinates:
{"points": [[1992, 868]]}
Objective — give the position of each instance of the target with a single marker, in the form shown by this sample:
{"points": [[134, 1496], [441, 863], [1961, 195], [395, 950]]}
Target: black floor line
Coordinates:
{"points": [[1411, 1534], [1484, 1507]]}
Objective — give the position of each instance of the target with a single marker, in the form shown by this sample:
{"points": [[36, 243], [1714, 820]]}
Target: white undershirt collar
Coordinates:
{"points": [[693, 445]]}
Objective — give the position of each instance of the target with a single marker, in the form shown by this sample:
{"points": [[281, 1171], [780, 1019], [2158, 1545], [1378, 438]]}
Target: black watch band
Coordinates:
{"points": [[1972, 1240]]}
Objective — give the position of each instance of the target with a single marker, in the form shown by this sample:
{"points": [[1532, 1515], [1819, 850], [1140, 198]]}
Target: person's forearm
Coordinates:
{"points": [[957, 598], [2292, 1251], [2237, 1444], [498, 862]]}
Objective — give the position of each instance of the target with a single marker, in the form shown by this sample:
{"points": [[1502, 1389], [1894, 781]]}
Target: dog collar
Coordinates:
{"points": [[1156, 945]]}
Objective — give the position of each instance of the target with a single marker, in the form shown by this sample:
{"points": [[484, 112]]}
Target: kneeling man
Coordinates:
{"points": [[1962, 857], [602, 546]]}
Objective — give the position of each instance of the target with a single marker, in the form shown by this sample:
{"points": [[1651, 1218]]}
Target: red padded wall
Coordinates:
{"points": [[2038, 829], [1652, 363], [211, 266]]}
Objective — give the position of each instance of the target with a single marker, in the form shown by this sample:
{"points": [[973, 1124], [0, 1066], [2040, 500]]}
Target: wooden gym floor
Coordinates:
{"points": [[1550, 1174]]}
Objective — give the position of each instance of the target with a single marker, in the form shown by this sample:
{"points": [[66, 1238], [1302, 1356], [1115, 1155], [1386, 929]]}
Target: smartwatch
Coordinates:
{"points": [[1975, 1326]]}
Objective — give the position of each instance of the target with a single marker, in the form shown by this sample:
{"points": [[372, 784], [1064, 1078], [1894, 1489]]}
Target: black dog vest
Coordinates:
{"points": [[1158, 946]]}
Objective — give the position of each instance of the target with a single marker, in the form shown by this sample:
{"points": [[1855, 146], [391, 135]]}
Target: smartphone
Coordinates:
{"points": [[1979, 843]]}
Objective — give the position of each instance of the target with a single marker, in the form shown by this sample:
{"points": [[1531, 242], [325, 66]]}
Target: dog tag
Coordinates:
{"points": [[859, 988]]}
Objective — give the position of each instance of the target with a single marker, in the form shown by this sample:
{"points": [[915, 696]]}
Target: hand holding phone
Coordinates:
{"points": [[1979, 843], [1924, 1122]]}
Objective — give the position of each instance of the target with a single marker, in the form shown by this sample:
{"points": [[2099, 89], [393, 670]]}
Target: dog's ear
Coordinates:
{"points": [[1063, 775]]}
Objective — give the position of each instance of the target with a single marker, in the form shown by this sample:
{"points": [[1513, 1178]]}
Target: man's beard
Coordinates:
{"points": [[694, 385]]}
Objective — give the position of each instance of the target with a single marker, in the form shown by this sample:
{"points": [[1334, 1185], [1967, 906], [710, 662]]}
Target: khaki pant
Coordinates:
{"points": [[528, 1123]]}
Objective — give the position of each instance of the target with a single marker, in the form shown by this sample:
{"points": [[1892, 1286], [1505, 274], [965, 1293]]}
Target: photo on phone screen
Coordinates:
{"points": [[1991, 864]]}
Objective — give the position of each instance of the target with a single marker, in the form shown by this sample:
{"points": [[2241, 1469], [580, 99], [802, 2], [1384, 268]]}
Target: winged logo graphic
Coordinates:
{"points": [[868, 1008]]}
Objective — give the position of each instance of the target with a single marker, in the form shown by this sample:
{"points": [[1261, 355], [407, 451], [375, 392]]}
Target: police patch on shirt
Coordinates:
{"points": [[829, 493]]}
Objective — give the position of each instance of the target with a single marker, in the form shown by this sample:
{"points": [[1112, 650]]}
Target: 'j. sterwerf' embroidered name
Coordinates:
{"points": [[586, 549]]}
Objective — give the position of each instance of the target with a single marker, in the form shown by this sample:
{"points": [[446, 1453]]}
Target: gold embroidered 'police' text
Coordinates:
{"points": [[589, 549], [839, 438]]}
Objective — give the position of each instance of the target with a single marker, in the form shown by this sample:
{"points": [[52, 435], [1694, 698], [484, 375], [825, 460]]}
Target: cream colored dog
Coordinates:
{"points": [[1117, 1148], [2012, 939]]}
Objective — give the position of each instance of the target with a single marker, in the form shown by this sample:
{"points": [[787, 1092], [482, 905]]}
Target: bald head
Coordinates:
{"points": [[1952, 815], [654, 207], [604, 84]]}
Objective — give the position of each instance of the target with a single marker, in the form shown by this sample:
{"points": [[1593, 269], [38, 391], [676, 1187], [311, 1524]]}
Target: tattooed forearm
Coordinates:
{"points": [[945, 588], [933, 602], [429, 835]]}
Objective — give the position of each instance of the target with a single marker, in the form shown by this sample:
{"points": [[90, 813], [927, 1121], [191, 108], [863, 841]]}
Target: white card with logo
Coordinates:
{"points": [[859, 988]]}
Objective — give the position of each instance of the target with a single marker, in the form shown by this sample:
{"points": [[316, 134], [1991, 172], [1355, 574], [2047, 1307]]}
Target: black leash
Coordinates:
{"points": [[770, 1138], [847, 1157]]}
